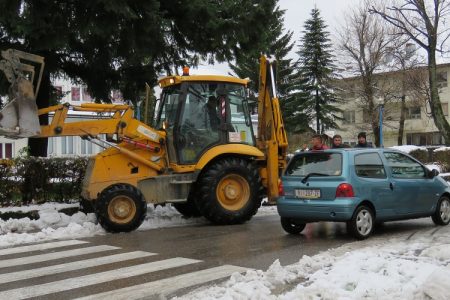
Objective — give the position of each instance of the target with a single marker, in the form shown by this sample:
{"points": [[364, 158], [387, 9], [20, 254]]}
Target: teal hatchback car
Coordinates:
{"points": [[361, 187]]}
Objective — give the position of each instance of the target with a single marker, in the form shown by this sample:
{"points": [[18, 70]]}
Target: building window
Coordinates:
{"points": [[445, 108], [86, 147], [349, 117], [413, 113], [75, 94], [67, 145], [86, 96], [424, 139], [58, 92], [6, 150], [366, 116], [441, 79]]}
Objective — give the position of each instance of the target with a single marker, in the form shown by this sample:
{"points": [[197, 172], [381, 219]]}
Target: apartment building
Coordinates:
{"points": [[419, 128]]}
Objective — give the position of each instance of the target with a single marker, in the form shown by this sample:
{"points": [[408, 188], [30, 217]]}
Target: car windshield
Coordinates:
{"points": [[319, 163]]}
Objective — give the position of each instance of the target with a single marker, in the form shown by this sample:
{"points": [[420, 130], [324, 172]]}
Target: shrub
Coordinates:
{"points": [[27, 179], [421, 155], [443, 158]]}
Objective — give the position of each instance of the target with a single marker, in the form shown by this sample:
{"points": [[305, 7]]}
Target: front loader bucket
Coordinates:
{"points": [[19, 118]]}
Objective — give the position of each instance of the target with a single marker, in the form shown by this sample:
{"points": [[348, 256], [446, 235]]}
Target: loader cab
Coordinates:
{"points": [[200, 112]]}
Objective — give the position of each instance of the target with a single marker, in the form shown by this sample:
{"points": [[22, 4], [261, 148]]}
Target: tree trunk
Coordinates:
{"points": [[38, 146], [435, 104], [317, 112]]}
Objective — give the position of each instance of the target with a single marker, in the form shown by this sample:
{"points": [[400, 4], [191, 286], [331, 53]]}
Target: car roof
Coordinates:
{"points": [[351, 150]]}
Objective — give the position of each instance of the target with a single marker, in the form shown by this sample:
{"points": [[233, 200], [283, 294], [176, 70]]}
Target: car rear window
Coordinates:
{"points": [[369, 165], [321, 163]]}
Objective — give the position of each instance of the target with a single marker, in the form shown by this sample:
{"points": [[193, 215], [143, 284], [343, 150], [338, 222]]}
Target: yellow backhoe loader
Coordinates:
{"points": [[200, 154]]}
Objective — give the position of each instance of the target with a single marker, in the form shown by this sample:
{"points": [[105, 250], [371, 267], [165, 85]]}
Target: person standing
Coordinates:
{"points": [[337, 142], [317, 143], [362, 142]]}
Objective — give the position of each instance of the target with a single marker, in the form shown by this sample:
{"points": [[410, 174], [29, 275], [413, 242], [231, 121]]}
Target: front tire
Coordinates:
{"points": [[362, 223], [291, 226], [121, 208], [230, 191], [442, 214]]}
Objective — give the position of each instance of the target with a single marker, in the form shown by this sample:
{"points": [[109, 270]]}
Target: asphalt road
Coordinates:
{"points": [[168, 258]]}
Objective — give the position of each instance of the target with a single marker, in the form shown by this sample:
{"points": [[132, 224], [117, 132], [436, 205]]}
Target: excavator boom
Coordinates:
{"points": [[19, 117]]}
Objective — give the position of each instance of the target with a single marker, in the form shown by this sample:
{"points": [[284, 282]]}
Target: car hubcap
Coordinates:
{"points": [[364, 222], [445, 210], [233, 192], [121, 209]]}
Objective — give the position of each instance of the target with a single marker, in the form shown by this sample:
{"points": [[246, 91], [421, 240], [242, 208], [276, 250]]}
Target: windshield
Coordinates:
{"points": [[168, 106], [319, 163]]}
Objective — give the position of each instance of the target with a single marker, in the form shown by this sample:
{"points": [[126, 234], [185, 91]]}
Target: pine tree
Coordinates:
{"points": [[123, 44], [316, 72], [276, 41]]}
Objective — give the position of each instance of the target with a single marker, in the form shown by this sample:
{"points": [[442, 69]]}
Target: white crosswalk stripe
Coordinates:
{"points": [[76, 265], [144, 264], [39, 247], [51, 256], [87, 280], [167, 285]]}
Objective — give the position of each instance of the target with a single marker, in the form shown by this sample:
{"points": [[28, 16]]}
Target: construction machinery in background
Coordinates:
{"points": [[200, 153]]}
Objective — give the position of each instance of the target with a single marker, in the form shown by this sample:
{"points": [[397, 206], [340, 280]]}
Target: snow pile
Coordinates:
{"points": [[442, 149], [408, 148], [395, 268], [55, 225]]}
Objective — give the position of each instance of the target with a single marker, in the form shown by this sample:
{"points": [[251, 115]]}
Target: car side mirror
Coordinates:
{"points": [[433, 173]]}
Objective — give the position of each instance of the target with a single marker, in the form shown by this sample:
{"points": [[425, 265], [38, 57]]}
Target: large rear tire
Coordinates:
{"points": [[229, 191], [188, 209], [121, 208]]}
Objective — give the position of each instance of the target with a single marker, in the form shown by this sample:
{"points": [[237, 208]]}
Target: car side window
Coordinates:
{"points": [[403, 166], [369, 165]]}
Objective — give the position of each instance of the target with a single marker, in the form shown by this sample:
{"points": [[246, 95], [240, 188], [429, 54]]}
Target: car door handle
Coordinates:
{"points": [[391, 186]]}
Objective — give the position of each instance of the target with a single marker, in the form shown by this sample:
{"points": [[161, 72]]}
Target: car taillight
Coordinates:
{"points": [[280, 188], [344, 190]]}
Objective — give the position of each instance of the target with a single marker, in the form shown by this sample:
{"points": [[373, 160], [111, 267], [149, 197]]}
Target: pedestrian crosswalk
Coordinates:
{"points": [[37, 275]]}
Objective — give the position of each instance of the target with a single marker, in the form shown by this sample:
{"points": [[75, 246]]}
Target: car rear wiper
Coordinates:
{"points": [[304, 180]]}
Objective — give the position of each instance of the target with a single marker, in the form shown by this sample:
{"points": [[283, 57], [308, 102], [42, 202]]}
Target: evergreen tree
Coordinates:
{"points": [[316, 72], [123, 44], [275, 42]]}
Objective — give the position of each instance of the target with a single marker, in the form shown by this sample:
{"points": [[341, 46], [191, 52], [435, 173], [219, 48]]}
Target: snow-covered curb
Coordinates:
{"points": [[394, 268]]}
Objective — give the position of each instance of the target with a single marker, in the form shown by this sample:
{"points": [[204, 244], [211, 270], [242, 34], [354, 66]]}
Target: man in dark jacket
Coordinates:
{"points": [[362, 143], [337, 142]]}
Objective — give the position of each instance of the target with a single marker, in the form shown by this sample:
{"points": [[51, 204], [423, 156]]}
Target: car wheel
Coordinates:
{"points": [[121, 208], [291, 226], [362, 223], [442, 214]]}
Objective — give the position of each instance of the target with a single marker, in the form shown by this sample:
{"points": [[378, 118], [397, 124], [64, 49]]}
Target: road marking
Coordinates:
{"points": [[87, 280], [76, 265], [168, 285], [55, 255], [38, 247]]}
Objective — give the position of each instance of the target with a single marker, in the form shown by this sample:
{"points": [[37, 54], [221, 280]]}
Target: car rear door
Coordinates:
{"points": [[372, 183]]}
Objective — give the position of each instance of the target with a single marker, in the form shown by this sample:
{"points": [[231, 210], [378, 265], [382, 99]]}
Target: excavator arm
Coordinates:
{"points": [[18, 118], [271, 137]]}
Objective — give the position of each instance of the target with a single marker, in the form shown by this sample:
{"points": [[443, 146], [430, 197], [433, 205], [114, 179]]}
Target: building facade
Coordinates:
{"points": [[390, 88]]}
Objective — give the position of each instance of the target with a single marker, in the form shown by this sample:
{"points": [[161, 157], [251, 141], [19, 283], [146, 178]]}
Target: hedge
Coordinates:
{"points": [[30, 179]]}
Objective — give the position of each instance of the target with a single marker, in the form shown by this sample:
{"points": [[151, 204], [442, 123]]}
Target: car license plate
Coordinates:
{"points": [[309, 194]]}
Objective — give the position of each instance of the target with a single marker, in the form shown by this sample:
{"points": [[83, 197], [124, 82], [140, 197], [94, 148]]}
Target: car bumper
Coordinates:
{"points": [[317, 210]]}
